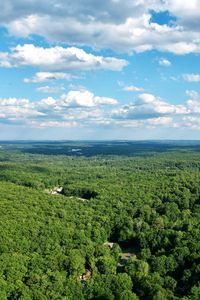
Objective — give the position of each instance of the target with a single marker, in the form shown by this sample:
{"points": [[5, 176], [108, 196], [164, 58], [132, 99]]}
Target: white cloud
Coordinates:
{"points": [[46, 102], [192, 94], [187, 12], [148, 106], [132, 88], [82, 108], [164, 62], [191, 77], [43, 124], [78, 98], [68, 110], [91, 114], [193, 103], [129, 123], [181, 47], [86, 99], [50, 89], [165, 121], [105, 101], [193, 106], [14, 102], [154, 122], [58, 59], [160, 106], [149, 110], [40, 77], [121, 25], [17, 109], [192, 122], [4, 60]]}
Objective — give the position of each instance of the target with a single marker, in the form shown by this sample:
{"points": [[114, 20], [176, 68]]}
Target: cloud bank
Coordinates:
{"points": [[83, 108], [121, 25], [58, 59]]}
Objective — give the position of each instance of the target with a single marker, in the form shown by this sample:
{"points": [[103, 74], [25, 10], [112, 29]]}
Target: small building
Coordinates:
{"points": [[85, 276], [56, 190], [110, 245]]}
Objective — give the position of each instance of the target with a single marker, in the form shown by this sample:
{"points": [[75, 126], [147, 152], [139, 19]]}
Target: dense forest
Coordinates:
{"points": [[103, 220]]}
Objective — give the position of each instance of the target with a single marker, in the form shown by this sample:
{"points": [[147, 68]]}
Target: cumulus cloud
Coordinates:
{"points": [[191, 122], [50, 89], [152, 122], [132, 88], [122, 25], [68, 110], [75, 105], [12, 109], [43, 124], [191, 77], [164, 62], [182, 47], [105, 10], [85, 98], [187, 12], [46, 102], [193, 103], [148, 106], [149, 110], [40, 77], [165, 121], [82, 108], [58, 59], [192, 94]]}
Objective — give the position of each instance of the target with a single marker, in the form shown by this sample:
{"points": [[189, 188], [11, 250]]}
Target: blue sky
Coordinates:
{"points": [[100, 69]]}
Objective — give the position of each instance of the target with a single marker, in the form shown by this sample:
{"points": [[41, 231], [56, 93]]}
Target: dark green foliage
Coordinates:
{"points": [[81, 192]]}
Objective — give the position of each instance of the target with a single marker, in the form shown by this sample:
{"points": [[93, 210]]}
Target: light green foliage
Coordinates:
{"points": [[145, 200]]}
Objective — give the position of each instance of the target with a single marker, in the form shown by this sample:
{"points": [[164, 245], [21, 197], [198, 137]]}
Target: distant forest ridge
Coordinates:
{"points": [[94, 148]]}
